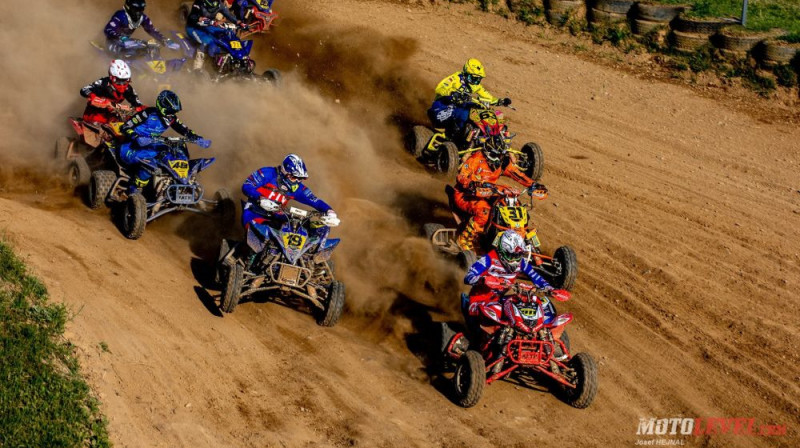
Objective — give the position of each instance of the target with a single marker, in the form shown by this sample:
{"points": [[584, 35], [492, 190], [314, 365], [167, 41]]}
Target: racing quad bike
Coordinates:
{"points": [[485, 126], [88, 150], [255, 20], [233, 61], [526, 339], [146, 60], [172, 187], [292, 258], [508, 212]]}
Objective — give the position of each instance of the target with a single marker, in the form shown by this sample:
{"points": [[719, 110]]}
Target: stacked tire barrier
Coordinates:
{"points": [[559, 12], [689, 34], [778, 52], [652, 16], [609, 12]]}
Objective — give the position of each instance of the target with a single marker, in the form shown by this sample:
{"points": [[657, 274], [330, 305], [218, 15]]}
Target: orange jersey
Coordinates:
{"points": [[475, 171]]}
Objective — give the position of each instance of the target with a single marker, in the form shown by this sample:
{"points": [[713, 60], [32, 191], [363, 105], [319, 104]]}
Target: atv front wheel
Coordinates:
{"points": [[469, 379], [447, 161], [430, 229], [183, 12], [219, 268], [134, 216], [99, 187], [568, 262], [272, 76], [78, 172], [333, 306], [422, 136], [233, 288], [585, 381], [532, 160]]}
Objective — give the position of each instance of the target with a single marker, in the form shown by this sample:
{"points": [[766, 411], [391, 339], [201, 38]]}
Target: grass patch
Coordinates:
{"points": [[44, 401], [762, 15]]}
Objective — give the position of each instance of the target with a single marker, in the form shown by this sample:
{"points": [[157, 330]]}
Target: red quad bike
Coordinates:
{"points": [[87, 151], [486, 125], [508, 212], [540, 351]]}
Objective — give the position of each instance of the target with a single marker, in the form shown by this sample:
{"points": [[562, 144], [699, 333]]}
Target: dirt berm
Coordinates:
{"points": [[684, 212]]}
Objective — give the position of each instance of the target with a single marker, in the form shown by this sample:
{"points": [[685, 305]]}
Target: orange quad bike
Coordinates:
{"points": [[508, 212], [535, 353], [88, 150], [446, 152]]}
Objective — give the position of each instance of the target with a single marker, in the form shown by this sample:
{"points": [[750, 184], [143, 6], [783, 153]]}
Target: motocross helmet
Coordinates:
{"points": [[211, 5], [494, 150], [293, 170], [473, 72], [120, 75], [135, 10], [510, 250], [168, 103]]}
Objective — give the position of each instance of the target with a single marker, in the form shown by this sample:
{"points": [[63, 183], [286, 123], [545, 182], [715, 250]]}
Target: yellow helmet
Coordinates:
{"points": [[473, 71]]}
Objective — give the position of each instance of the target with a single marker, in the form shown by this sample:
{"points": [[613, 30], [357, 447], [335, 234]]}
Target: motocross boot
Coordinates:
{"points": [[137, 185], [466, 239]]}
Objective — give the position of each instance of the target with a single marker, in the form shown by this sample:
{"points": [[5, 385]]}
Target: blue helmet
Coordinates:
{"points": [[293, 170]]}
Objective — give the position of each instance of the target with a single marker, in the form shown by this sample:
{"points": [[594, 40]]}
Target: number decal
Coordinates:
{"points": [[294, 241], [235, 44]]}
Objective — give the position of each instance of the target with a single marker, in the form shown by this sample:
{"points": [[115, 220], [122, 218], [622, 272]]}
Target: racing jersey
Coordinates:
{"points": [[490, 265], [103, 89], [265, 183], [455, 83], [198, 12], [149, 123], [476, 177], [120, 26]]}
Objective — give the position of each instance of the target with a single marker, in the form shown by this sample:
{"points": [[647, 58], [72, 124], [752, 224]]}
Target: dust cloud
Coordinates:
{"points": [[346, 99]]}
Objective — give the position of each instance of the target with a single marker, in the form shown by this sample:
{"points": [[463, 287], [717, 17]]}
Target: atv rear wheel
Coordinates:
{"points": [[333, 306], [447, 160], [585, 382], [422, 136], [78, 172], [183, 12], [469, 379], [466, 258], [99, 187], [431, 228], [62, 148], [566, 257], [134, 216], [272, 76], [226, 208], [233, 288], [532, 162]]}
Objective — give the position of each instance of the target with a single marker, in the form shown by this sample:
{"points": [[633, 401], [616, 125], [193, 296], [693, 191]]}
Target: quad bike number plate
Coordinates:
{"points": [[235, 44]]}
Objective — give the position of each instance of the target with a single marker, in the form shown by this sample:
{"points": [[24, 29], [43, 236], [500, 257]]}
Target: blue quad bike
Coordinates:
{"points": [[147, 61], [232, 59], [173, 187], [289, 256]]}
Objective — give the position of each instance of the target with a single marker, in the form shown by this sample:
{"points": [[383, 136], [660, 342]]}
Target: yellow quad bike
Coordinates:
{"points": [[445, 153], [508, 213]]}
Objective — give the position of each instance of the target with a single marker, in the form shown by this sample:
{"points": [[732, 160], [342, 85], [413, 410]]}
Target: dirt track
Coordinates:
{"points": [[685, 215]]}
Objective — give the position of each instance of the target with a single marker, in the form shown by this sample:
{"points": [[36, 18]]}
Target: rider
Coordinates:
{"points": [[477, 183], [123, 24], [450, 109], [199, 25], [240, 8], [491, 277], [142, 130], [109, 91], [270, 188]]}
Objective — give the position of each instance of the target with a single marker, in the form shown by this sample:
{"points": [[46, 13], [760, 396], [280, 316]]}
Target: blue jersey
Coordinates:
{"points": [[265, 183], [120, 26], [491, 265], [149, 123]]}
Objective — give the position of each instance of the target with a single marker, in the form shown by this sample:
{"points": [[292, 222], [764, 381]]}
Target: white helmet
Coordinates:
{"points": [[511, 248], [119, 70]]}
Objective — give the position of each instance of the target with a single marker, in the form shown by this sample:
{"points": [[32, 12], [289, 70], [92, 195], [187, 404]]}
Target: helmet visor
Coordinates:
{"points": [[473, 80]]}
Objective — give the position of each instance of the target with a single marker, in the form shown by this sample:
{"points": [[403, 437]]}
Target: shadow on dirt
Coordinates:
{"points": [[418, 210]]}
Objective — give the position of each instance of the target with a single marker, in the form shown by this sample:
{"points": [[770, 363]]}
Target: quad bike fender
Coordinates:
{"points": [[559, 323], [329, 244], [77, 125], [197, 165]]}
